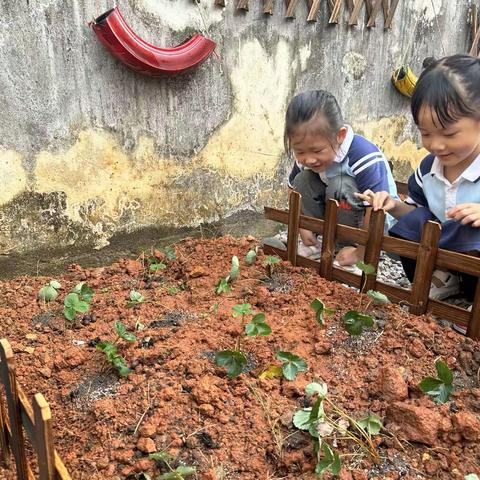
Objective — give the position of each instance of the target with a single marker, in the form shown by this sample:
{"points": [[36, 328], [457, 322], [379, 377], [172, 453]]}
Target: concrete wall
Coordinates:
{"points": [[89, 149]]}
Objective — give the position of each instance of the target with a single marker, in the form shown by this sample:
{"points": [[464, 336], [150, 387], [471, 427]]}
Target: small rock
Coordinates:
{"points": [[414, 423], [197, 272], [46, 372], [147, 430], [467, 425], [392, 386], [417, 348], [146, 445], [323, 347], [132, 267], [29, 350], [207, 409], [31, 336]]}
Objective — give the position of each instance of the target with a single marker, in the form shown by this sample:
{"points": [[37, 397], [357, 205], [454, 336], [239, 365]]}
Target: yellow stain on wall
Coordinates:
{"points": [[386, 134], [251, 141], [13, 175]]}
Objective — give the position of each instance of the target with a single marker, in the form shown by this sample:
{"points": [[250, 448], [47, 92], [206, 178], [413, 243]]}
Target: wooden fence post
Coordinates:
{"points": [[44, 437], [4, 447], [373, 248], [295, 206], [353, 20], [312, 13], [328, 239], [7, 368], [336, 11], [426, 257], [242, 5], [391, 13], [473, 329], [268, 6], [291, 6]]}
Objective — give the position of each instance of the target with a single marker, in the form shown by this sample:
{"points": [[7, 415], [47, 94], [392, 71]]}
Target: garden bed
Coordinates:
{"points": [[177, 400]]}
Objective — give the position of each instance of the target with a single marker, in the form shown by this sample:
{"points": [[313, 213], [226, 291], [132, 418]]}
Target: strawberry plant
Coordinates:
{"points": [[180, 473], [355, 321], [49, 291], [251, 256], [292, 364], [234, 360], [135, 298], [77, 301], [269, 262], [111, 351], [320, 310], [223, 285], [321, 424], [441, 387]]}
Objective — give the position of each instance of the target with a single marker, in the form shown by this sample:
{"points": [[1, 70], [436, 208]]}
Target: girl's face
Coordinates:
{"points": [[456, 145], [313, 149]]}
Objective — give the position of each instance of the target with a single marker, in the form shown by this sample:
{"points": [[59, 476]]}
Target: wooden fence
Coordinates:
{"points": [[36, 421], [427, 254]]}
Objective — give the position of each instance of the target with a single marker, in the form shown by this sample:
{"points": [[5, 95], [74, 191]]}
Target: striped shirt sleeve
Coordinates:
{"points": [[294, 172], [416, 196], [371, 172]]}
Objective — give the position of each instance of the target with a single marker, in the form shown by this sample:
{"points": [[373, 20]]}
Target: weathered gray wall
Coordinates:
{"points": [[89, 148]]}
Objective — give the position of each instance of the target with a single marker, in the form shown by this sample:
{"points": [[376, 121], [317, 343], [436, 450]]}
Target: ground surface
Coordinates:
{"points": [[177, 400]]}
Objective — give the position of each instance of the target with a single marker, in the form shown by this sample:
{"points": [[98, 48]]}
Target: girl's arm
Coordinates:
{"points": [[384, 201], [466, 213]]}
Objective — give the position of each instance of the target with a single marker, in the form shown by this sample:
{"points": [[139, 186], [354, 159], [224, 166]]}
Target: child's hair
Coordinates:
{"points": [[450, 87], [308, 105]]}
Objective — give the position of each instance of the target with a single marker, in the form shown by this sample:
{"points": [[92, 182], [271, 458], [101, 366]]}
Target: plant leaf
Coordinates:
{"points": [[222, 286], [429, 384], [257, 329], [272, 371], [154, 267], [123, 333], [71, 300], [161, 457], [444, 373], [354, 322], [319, 308], [271, 260], [81, 306], [55, 284], [436, 388], [136, 297], [47, 293], [186, 471], [378, 297], [233, 361], [366, 268], [235, 269], [320, 388], [371, 423], [301, 419], [69, 313], [241, 309], [258, 318], [292, 364], [250, 257], [471, 476]]}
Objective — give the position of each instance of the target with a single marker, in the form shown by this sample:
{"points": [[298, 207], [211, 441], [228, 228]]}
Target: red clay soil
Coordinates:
{"points": [[177, 400]]}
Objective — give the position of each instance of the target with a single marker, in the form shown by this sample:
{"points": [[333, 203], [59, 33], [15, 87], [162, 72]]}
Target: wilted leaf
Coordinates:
{"points": [[319, 388], [371, 424], [273, 371]]}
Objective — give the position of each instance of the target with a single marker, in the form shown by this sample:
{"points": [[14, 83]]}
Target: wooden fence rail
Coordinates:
{"points": [[426, 253], [36, 422]]}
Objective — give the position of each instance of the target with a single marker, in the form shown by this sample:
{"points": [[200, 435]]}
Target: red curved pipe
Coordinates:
{"points": [[123, 43]]}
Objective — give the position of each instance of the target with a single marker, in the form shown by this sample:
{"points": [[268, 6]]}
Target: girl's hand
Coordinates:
{"points": [[378, 200], [308, 238], [466, 213]]}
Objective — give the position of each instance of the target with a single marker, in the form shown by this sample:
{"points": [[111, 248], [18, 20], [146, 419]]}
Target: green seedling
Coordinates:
{"points": [[321, 424], [77, 301], [173, 290], [111, 352], [251, 256], [291, 364], [269, 262], [320, 310], [441, 387], [180, 473], [170, 253], [471, 476], [355, 321], [234, 360], [135, 298], [49, 291], [223, 285], [156, 266]]}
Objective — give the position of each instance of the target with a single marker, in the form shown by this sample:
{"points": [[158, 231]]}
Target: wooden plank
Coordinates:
{"points": [[4, 445], [336, 11], [373, 248], [391, 13], [427, 254], [44, 437], [331, 4], [292, 5], [268, 6], [220, 3], [473, 330], [328, 240], [295, 203], [474, 21], [350, 6], [242, 5], [476, 40], [353, 20], [368, 8], [386, 8], [313, 11], [7, 368], [374, 12]]}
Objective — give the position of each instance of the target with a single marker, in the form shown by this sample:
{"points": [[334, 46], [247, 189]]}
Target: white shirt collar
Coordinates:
{"points": [[472, 173], [345, 146]]}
